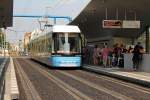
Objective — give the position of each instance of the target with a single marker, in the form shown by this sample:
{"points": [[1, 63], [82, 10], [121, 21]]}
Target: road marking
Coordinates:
{"points": [[30, 91], [110, 92], [69, 89]]}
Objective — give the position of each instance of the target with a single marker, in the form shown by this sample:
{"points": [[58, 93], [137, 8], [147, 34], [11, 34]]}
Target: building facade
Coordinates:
{"points": [[27, 37]]}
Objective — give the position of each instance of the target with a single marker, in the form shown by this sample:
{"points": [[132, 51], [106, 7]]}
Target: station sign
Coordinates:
{"points": [[6, 13], [131, 24], [112, 23]]}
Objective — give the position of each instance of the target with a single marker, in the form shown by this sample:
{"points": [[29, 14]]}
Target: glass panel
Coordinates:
{"points": [[75, 43], [67, 43]]}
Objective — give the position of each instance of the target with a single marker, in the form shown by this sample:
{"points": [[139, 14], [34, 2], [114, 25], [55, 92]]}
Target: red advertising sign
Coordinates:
{"points": [[112, 24]]}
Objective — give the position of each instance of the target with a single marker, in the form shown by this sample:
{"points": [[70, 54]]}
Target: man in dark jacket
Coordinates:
{"points": [[137, 56]]}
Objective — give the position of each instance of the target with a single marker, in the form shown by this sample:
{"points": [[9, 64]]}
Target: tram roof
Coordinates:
{"points": [[66, 28], [55, 29]]}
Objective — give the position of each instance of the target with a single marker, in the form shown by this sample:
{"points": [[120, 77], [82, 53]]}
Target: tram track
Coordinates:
{"points": [[92, 85], [82, 85], [72, 91], [82, 94], [138, 92], [77, 95], [110, 92], [122, 88], [129, 85]]}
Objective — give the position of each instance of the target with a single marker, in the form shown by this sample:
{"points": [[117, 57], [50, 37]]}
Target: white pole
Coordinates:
{"points": [[1, 36], [135, 15], [117, 13], [106, 13], [125, 14], [4, 42]]}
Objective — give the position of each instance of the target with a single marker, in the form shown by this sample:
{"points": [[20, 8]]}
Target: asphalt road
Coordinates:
{"points": [[37, 82]]}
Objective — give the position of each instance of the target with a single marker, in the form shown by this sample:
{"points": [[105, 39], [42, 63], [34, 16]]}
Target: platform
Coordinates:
{"points": [[11, 87]]}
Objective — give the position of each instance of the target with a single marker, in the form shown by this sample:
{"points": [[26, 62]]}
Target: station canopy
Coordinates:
{"points": [[6, 13], [91, 18]]}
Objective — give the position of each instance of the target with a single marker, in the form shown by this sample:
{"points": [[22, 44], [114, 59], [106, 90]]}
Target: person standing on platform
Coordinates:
{"points": [[105, 52], [137, 55], [130, 50], [96, 55], [117, 51]]}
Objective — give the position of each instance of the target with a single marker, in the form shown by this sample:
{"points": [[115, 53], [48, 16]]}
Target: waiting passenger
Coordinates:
{"points": [[96, 55], [110, 57], [137, 56], [130, 50], [105, 52], [113, 62]]}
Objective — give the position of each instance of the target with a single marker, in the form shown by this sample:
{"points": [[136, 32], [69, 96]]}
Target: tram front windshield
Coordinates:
{"points": [[69, 43]]}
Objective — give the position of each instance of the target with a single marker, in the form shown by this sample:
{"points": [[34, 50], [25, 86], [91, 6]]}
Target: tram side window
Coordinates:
{"points": [[49, 45], [56, 44]]}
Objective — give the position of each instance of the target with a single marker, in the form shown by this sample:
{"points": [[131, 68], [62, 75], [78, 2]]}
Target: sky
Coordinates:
{"points": [[69, 8]]}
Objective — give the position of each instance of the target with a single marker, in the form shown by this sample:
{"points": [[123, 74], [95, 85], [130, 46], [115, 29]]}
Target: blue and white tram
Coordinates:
{"points": [[60, 47]]}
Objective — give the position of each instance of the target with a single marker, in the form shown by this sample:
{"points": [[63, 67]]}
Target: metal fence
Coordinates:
{"points": [[3, 67]]}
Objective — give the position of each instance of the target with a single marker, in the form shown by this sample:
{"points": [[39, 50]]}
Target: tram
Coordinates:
{"points": [[60, 47]]}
